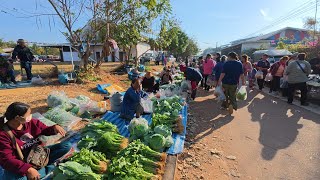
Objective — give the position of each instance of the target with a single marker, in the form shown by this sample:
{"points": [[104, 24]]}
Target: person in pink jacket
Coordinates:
{"points": [[208, 65]]}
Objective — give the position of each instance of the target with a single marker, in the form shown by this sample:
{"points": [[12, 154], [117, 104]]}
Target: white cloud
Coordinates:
{"points": [[265, 13]]}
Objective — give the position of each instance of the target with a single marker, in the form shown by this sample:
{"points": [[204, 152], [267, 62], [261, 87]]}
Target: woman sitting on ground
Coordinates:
{"points": [[166, 78], [18, 119], [148, 82]]}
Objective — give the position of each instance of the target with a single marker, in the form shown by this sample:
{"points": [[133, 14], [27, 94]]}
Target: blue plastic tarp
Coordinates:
{"points": [[101, 88], [178, 139]]}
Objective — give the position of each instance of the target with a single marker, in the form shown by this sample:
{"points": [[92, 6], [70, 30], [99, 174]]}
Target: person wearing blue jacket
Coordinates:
{"points": [[131, 104]]}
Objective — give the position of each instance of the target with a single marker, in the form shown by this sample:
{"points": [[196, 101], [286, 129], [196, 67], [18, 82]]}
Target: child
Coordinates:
{"points": [[251, 76]]}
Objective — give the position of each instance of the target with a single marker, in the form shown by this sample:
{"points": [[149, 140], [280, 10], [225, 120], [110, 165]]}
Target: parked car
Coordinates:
{"points": [[147, 57]]}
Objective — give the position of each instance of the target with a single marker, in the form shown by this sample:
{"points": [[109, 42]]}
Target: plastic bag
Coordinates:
{"points": [[242, 93], [283, 83], [62, 117], [186, 86], [37, 81], [218, 92], [44, 120], [259, 75], [147, 105], [269, 77], [211, 80], [60, 99]]}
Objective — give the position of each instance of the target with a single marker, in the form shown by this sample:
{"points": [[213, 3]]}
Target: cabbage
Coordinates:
{"points": [[163, 130], [169, 142], [138, 127], [157, 142]]}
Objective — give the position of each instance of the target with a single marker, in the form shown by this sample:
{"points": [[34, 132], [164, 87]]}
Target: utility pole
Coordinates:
{"points": [[315, 22]]}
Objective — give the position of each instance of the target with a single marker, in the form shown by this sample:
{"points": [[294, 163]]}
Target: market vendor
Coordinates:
{"points": [[132, 101], [18, 120], [166, 78], [6, 70], [148, 82]]}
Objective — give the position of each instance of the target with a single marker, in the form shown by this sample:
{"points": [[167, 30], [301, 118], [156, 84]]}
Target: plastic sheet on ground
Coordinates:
{"points": [[101, 88], [122, 125]]}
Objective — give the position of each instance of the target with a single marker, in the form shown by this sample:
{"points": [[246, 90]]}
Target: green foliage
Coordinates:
{"points": [[7, 44], [71, 170], [192, 48], [179, 42]]}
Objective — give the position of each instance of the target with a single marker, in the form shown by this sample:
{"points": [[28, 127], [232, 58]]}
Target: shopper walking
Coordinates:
{"points": [[232, 71], [208, 66], [298, 71], [277, 71], [263, 65], [247, 66]]}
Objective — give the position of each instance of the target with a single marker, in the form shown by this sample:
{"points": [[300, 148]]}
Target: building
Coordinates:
{"points": [[288, 35], [96, 50]]}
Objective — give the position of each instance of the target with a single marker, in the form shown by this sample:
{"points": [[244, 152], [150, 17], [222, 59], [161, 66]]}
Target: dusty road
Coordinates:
{"points": [[264, 139]]}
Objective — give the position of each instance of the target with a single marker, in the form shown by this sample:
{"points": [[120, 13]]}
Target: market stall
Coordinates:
{"points": [[314, 87], [109, 147]]}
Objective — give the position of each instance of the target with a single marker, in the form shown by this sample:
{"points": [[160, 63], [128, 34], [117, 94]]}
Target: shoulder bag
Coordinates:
{"points": [[301, 68], [38, 156]]}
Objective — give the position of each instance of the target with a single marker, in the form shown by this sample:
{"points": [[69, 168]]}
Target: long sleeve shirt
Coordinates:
{"points": [[26, 138], [295, 73], [23, 53], [130, 101]]}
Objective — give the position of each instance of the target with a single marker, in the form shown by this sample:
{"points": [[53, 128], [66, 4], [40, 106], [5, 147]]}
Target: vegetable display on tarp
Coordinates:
{"points": [[110, 143], [71, 170], [166, 112], [159, 139], [95, 160], [137, 161], [94, 131], [62, 117]]}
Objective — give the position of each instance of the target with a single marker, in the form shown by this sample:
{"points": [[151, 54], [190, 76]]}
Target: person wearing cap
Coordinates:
{"points": [[25, 56], [148, 82], [131, 104], [297, 72], [263, 65], [166, 78]]}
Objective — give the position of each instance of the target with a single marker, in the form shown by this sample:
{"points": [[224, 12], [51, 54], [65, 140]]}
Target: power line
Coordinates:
{"points": [[302, 9]]}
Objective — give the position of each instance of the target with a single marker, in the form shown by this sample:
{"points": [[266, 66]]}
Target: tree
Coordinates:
{"points": [[192, 48], [180, 42]]}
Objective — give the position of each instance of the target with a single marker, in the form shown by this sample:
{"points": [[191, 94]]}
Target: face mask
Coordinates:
{"points": [[26, 120]]}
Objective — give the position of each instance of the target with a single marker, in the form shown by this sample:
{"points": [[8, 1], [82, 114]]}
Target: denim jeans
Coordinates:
{"points": [[56, 152], [28, 67]]}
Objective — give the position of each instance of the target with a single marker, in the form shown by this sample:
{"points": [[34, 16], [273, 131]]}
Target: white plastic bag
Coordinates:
{"points": [[242, 93], [37, 81], [147, 105], [218, 92], [269, 77], [59, 98], [259, 75]]}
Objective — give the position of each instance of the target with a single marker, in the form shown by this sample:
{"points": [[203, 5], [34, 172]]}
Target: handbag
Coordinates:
{"points": [[38, 156]]}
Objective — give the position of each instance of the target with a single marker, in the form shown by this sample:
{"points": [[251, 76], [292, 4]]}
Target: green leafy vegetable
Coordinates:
{"points": [[71, 170], [110, 143]]}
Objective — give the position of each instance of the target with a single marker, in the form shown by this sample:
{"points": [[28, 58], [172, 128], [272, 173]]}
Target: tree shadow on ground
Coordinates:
{"points": [[279, 123]]}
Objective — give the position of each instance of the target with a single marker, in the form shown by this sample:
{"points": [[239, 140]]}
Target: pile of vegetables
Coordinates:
{"points": [[60, 99], [95, 160], [174, 122], [137, 161], [62, 117], [71, 170], [169, 105], [110, 143], [94, 131], [159, 139]]}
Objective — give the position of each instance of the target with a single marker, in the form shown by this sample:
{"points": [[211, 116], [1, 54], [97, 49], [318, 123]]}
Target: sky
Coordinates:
{"points": [[209, 22]]}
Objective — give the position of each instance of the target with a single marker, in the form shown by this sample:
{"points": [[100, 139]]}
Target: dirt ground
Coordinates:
{"points": [[36, 96], [265, 139]]}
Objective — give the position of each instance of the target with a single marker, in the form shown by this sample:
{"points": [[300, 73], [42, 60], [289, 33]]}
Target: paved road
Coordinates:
{"points": [[270, 140]]}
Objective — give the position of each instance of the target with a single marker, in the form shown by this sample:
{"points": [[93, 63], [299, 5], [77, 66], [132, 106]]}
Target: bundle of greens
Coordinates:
{"points": [[171, 106], [110, 143], [137, 161], [95, 160], [173, 122], [71, 170], [94, 131], [60, 99]]}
